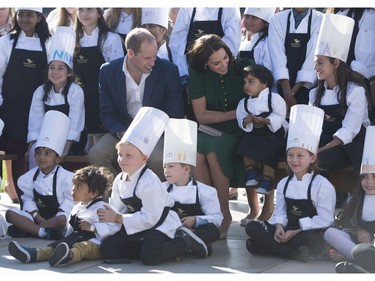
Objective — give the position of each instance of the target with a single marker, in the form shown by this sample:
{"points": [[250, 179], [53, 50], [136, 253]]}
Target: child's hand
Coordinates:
{"points": [[84, 225], [247, 120], [261, 120], [363, 236], [289, 235], [188, 221], [279, 233]]}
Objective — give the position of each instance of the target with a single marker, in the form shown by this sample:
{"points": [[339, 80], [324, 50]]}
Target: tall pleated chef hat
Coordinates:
{"points": [[262, 13], [334, 36], [54, 131], [305, 127], [159, 16], [146, 129], [62, 45], [368, 158], [180, 142]]}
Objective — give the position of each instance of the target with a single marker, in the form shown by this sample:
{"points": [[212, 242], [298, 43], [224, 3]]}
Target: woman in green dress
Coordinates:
{"points": [[216, 87]]}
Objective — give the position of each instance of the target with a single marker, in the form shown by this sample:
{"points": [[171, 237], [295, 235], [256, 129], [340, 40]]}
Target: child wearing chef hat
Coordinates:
{"points": [[341, 93], [46, 189], [196, 203], [60, 93], [305, 204], [358, 215], [149, 224]]}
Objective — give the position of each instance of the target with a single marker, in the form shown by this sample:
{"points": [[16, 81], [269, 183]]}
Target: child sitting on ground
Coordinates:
{"points": [[84, 231], [47, 199]]}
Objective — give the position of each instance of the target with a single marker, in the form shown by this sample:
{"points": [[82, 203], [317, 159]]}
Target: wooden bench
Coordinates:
{"points": [[75, 162]]}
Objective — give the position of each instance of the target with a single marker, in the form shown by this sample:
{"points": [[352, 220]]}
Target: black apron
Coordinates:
{"points": [[331, 123], [24, 74], [295, 50], [184, 209], [298, 208], [77, 235], [87, 64], [199, 28], [250, 54], [48, 205], [261, 144], [63, 108], [134, 204]]}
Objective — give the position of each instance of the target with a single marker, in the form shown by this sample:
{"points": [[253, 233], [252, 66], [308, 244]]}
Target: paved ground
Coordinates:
{"points": [[229, 256]]}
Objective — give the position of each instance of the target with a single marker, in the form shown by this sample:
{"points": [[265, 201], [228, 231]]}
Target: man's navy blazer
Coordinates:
{"points": [[163, 90]]}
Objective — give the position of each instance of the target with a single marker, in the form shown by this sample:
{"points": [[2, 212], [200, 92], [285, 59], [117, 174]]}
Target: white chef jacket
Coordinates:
{"points": [[276, 35], [356, 115], [231, 23], [259, 105], [154, 198], [208, 200], [103, 229], [44, 186], [323, 197], [112, 47], [75, 99], [261, 51]]}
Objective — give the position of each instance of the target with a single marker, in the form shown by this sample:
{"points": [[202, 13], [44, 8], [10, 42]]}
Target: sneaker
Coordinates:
{"points": [[194, 245], [251, 177], [348, 267], [60, 256], [265, 187], [248, 245], [209, 248], [22, 253]]}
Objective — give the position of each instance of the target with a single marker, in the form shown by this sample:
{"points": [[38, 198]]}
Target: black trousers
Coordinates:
{"points": [[262, 241]]}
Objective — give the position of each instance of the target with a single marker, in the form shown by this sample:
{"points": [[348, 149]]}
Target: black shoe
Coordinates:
{"points": [[22, 253], [248, 245], [209, 248], [60, 256], [194, 245], [303, 254], [348, 267], [17, 233], [53, 233]]}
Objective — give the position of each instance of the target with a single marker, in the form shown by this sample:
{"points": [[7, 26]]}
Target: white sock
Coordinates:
{"points": [[42, 232]]}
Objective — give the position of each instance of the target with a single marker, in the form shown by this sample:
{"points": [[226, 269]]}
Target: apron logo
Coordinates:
{"points": [[329, 118], [29, 63], [296, 43], [296, 211], [82, 59]]}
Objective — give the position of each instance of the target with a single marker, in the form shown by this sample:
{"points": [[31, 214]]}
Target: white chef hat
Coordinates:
{"points": [[262, 13], [159, 16], [334, 36], [368, 158], [35, 9], [305, 127], [146, 128], [54, 131], [62, 45], [180, 142]]}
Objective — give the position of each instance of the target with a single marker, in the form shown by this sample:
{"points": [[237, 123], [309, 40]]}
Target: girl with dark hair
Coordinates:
{"points": [[358, 217], [261, 115], [341, 93], [60, 92], [23, 59], [95, 45]]}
